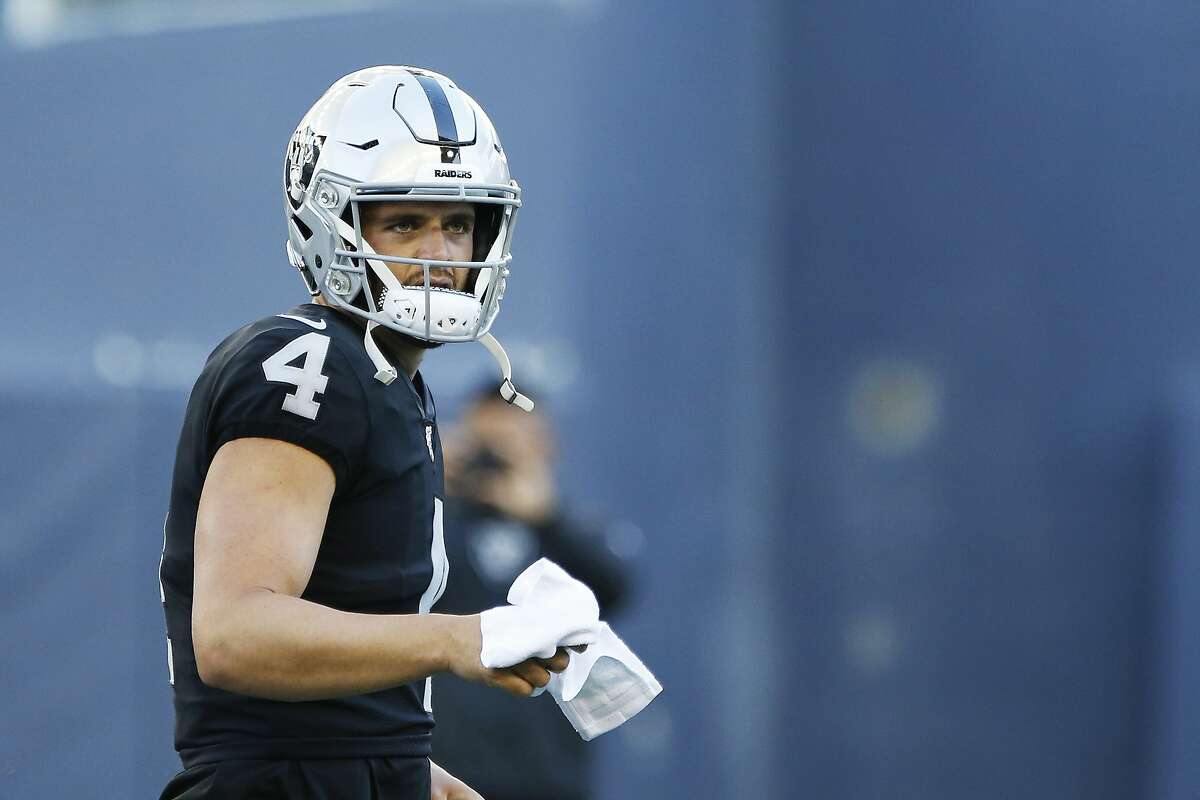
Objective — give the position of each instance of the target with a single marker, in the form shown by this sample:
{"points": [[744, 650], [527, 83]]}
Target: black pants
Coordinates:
{"points": [[324, 779]]}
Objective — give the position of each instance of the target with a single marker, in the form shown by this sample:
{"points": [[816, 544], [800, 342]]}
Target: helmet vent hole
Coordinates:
{"points": [[305, 231], [319, 265]]}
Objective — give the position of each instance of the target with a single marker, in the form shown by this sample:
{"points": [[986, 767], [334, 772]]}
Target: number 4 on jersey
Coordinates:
{"points": [[307, 378]]}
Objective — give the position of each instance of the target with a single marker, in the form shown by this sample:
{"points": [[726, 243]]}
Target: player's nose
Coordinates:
{"points": [[433, 245]]}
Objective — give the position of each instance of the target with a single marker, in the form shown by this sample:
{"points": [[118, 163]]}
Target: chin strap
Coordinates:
{"points": [[507, 390], [385, 373]]}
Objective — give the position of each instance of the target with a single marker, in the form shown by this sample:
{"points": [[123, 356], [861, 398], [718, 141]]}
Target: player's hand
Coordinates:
{"points": [[447, 787], [520, 679], [527, 677]]}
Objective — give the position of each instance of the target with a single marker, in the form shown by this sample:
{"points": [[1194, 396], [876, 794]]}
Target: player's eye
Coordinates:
{"points": [[459, 225], [403, 224]]}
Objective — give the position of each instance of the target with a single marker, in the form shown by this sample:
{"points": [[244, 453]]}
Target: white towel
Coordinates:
{"points": [[550, 609], [602, 687]]}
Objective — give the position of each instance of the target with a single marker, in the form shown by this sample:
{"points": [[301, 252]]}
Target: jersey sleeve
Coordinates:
{"points": [[296, 386]]}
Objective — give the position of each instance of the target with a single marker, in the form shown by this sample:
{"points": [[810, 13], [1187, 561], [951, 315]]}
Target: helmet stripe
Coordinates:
{"points": [[443, 115]]}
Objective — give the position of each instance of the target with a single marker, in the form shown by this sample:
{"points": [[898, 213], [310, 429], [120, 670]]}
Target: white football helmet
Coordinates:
{"points": [[399, 134]]}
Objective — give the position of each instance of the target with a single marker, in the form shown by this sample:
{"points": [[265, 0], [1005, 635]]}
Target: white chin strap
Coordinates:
{"points": [[507, 390], [385, 373]]}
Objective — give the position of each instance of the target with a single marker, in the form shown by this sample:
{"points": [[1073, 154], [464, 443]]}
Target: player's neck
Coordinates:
{"points": [[405, 355]]}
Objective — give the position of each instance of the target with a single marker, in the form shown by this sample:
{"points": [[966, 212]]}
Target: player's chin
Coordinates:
{"points": [[423, 344]]}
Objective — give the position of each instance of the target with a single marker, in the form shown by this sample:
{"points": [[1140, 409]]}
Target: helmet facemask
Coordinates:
{"points": [[355, 277]]}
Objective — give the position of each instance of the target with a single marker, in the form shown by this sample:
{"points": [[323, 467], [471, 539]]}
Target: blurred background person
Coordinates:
{"points": [[503, 512]]}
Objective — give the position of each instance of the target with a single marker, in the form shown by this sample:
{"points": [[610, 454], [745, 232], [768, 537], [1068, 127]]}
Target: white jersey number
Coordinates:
{"points": [[437, 584], [307, 379], [162, 595]]}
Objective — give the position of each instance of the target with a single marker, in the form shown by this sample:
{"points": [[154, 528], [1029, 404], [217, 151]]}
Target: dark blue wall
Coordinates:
{"points": [[1000, 195]]}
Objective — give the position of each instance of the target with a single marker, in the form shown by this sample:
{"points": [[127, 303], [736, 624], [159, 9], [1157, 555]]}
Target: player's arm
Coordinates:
{"points": [[258, 528]]}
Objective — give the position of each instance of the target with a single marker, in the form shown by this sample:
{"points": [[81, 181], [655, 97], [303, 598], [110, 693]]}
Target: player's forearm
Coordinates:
{"points": [[281, 647]]}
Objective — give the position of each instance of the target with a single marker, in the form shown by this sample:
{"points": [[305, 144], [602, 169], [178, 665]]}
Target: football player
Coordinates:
{"points": [[303, 550]]}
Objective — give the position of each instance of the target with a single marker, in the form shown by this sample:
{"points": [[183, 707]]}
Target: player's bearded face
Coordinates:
{"points": [[436, 231]]}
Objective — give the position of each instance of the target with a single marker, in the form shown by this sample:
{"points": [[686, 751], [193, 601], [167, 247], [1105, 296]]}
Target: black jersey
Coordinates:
{"points": [[304, 377]]}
